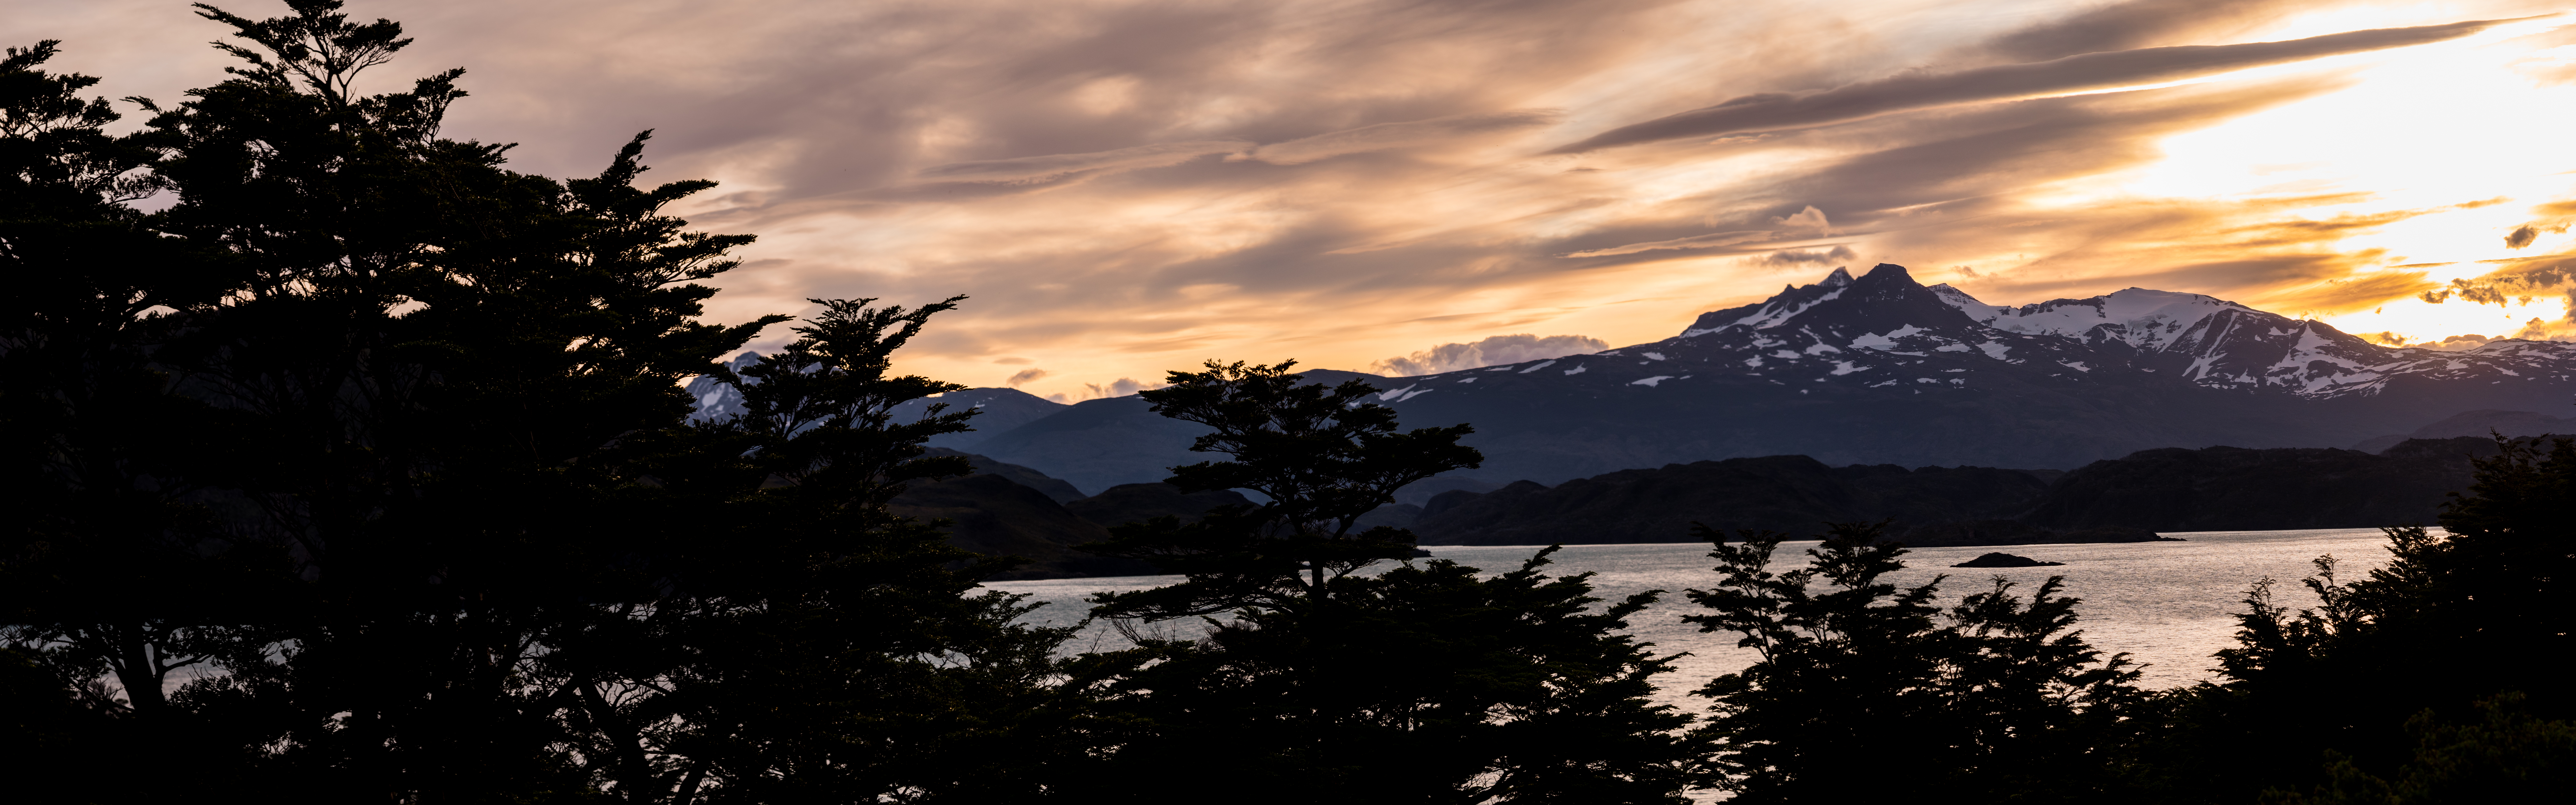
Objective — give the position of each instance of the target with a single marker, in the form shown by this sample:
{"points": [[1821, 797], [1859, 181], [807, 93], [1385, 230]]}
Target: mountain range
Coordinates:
{"points": [[1875, 369]]}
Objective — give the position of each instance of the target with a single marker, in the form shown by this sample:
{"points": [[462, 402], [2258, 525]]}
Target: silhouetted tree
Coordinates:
{"points": [[1863, 690], [1322, 455], [2374, 676], [391, 438], [2504, 755], [1423, 683], [99, 443]]}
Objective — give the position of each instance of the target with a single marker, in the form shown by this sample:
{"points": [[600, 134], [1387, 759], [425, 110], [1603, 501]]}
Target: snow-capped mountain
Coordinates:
{"points": [[717, 399], [1883, 330], [1882, 369]]}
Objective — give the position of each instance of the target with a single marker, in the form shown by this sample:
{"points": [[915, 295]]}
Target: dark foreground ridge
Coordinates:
{"points": [[2121, 500], [2234, 489], [1790, 494]]}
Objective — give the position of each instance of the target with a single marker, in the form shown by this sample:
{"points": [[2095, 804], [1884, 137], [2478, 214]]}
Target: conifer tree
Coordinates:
{"points": [[409, 423], [1999, 699], [2393, 687], [1323, 456], [101, 449], [1422, 683]]}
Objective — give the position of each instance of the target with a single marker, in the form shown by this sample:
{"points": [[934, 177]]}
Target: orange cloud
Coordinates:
{"points": [[1125, 187]]}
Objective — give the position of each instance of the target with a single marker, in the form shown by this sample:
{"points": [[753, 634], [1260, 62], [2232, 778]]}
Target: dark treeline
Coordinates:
{"points": [[350, 464]]}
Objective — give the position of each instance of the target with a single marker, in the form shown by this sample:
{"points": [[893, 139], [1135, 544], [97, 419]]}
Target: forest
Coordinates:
{"points": [[353, 464]]}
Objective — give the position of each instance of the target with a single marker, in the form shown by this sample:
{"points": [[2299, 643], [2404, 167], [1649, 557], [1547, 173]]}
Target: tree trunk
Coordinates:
{"points": [[141, 674], [637, 781]]}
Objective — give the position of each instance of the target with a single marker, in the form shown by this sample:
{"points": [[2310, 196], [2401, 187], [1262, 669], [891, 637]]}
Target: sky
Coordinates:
{"points": [[1128, 188]]}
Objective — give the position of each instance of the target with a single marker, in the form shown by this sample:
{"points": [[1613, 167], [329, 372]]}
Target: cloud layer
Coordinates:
{"points": [[2079, 73], [1126, 187], [1495, 350]]}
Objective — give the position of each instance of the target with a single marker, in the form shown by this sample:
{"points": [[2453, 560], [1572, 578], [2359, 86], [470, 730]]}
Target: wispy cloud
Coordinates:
{"points": [[1491, 351], [1125, 186], [1385, 136], [1017, 169], [1709, 241], [2079, 73]]}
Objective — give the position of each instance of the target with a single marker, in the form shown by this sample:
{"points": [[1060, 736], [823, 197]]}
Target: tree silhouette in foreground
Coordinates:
{"points": [[381, 446], [1322, 455], [1994, 698], [1422, 683], [2435, 678]]}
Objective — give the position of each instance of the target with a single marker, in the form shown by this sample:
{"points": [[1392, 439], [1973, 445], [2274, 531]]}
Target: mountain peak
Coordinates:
{"points": [[1874, 327], [1882, 300]]}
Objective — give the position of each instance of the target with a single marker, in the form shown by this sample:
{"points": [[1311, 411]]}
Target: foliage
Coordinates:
{"points": [[1323, 456], [1993, 698], [2507, 755], [383, 447], [98, 447], [1420, 684], [2468, 616], [1501, 689]]}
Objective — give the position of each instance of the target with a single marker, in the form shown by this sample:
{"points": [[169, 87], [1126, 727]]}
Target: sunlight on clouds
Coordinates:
{"points": [[2303, 192], [1126, 187], [2431, 128], [2404, 162]]}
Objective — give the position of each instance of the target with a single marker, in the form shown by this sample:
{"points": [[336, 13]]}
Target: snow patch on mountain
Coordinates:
{"points": [[2147, 320], [1884, 341], [1967, 304]]}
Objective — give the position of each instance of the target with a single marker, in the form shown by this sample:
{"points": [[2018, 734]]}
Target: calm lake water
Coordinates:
{"points": [[2168, 604]]}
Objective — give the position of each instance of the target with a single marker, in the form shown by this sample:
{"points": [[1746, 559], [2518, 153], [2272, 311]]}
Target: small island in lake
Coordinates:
{"points": [[2001, 559]]}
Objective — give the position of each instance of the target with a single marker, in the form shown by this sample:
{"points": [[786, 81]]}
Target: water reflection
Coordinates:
{"points": [[2168, 604]]}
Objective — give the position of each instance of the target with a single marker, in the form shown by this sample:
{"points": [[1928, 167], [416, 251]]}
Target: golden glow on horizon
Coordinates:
{"points": [[2390, 172], [2429, 128], [2455, 141], [2337, 187]]}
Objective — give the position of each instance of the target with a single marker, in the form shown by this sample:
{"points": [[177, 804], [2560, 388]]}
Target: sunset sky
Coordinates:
{"points": [[1125, 188]]}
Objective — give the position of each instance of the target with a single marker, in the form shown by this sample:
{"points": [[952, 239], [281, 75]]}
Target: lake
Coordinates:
{"points": [[2168, 604]]}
